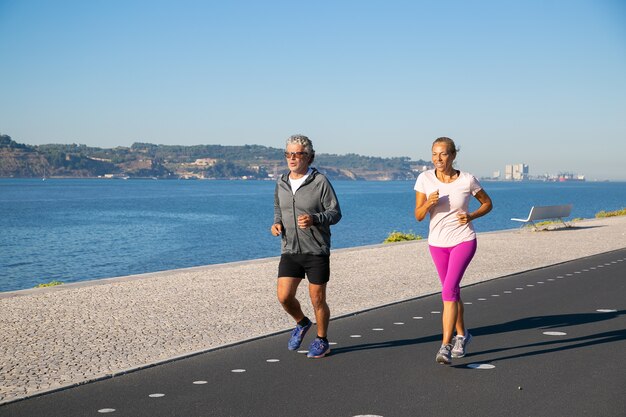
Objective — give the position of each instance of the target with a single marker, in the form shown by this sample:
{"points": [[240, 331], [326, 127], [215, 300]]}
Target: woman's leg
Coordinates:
{"points": [[451, 264], [460, 258]]}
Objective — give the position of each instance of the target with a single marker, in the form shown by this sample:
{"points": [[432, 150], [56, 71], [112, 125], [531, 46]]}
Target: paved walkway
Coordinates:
{"points": [[547, 342], [63, 336]]}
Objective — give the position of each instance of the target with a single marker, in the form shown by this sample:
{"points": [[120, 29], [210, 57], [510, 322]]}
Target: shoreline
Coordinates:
{"points": [[58, 337]]}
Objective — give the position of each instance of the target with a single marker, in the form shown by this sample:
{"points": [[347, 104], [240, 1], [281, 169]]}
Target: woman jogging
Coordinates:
{"points": [[444, 193]]}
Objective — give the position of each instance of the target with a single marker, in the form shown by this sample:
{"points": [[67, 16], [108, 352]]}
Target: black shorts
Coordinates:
{"points": [[315, 267]]}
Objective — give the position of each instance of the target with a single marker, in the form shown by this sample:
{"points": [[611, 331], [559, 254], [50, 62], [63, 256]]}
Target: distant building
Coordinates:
{"points": [[516, 172], [496, 175], [205, 162]]}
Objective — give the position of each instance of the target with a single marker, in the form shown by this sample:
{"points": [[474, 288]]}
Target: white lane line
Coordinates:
{"points": [[519, 289], [200, 382], [495, 295], [469, 303], [540, 282], [355, 335], [367, 415], [420, 317], [158, 395], [606, 310], [398, 323], [378, 329], [106, 410], [481, 366], [508, 292], [560, 277], [332, 343], [530, 285], [303, 351], [272, 360], [551, 279], [577, 272], [482, 299], [238, 371], [555, 333], [435, 312]]}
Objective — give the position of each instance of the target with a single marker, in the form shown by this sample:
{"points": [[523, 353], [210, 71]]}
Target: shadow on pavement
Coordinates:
{"points": [[540, 322]]}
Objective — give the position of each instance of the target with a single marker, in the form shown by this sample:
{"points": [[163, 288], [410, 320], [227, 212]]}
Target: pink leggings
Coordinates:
{"points": [[451, 264]]}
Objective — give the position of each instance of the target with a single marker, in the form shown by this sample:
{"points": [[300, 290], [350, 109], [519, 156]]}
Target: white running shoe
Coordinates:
{"points": [[460, 344], [443, 356]]}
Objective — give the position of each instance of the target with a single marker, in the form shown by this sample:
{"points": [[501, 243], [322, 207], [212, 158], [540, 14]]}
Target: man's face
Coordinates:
{"points": [[297, 160]]}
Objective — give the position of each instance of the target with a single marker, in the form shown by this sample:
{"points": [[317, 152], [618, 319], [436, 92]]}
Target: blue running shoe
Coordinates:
{"points": [[318, 348], [297, 335]]}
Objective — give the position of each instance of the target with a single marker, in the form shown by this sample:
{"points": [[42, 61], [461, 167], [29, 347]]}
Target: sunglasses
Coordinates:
{"points": [[297, 155]]}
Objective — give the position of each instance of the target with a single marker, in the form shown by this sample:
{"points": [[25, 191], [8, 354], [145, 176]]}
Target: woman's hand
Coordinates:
{"points": [[433, 199], [463, 217]]}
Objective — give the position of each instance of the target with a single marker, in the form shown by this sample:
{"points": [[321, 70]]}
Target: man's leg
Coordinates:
{"points": [[322, 311], [286, 291]]}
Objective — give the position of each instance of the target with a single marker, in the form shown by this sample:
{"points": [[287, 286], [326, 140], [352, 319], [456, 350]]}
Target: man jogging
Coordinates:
{"points": [[305, 206]]}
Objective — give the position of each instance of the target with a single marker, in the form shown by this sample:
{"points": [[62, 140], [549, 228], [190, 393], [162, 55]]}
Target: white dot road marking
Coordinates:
{"points": [[435, 312], [156, 395], [519, 289], [272, 360], [555, 333], [378, 329], [469, 303], [560, 276], [332, 343], [238, 371], [578, 272], [482, 299], [419, 317], [398, 323], [481, 366], [585, 270], [551, 279], [367, 415], [495, 295], [508, 292], [200, 382], [606, 310], [540, 282], [355, 335], [303, 351], [530, 285], [106, 410]]}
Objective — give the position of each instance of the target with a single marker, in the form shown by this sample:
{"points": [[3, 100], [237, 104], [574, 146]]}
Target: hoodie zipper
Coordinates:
{"points": [[293, 204]]}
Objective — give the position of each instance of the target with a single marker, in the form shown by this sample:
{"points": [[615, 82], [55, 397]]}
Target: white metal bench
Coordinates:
{"points": [[546, 212]]}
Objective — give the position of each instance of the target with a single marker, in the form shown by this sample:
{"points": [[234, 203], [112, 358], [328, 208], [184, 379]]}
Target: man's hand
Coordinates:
{"points": [[276, 229], [304, 221]]}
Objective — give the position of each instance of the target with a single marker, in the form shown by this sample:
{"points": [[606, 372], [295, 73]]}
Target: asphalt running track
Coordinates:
{"points": [[547, 342]]}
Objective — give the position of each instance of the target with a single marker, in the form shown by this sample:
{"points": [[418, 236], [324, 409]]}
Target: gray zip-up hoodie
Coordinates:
{"points": [[315, 197]]}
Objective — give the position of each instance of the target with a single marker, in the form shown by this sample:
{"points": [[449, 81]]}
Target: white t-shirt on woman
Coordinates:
{"points": [[444, 228]]}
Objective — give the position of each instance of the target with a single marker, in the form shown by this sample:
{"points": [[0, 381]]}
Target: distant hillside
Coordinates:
{"points": [[173, 161]]}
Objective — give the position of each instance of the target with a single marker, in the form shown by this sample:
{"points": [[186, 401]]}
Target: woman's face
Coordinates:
{"points": [[441, 158]]}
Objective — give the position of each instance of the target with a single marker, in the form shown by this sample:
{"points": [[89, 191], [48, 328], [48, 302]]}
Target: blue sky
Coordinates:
{"points": [[536, 82]]}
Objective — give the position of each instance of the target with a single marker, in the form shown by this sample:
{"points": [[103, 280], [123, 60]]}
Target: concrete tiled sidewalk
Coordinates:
{"points": [[61, 336]]}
